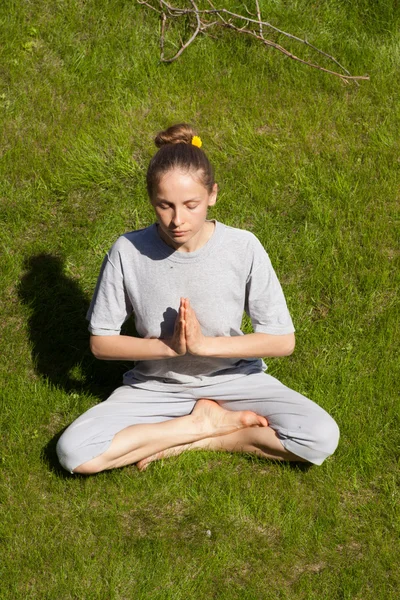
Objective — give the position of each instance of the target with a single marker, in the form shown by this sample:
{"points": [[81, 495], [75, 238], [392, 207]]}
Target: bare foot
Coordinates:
{"points": [[213, 420], [218, 421]]}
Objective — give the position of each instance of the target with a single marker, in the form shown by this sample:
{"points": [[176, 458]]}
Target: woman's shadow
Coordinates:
{"points": [[59, 336]]}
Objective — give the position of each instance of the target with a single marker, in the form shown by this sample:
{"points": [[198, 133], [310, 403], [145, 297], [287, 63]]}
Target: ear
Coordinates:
{"points": [[213, 196]]}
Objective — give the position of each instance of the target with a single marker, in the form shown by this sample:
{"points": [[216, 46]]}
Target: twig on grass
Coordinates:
{"points": [[207, 18], [259, 19]]}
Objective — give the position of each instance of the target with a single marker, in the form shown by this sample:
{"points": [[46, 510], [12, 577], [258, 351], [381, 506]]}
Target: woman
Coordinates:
{"points": [[199, 382]]}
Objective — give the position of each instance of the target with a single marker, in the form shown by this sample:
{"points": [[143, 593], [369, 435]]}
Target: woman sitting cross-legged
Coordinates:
{"points": [[198, 381]]}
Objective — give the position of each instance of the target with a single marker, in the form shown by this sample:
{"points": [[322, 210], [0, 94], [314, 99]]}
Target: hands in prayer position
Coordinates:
{"points": [[187, 337]]}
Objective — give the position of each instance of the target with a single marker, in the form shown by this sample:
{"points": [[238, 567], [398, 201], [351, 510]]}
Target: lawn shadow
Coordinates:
{"points": [[298, 466], [58, 330], [59, 336]]}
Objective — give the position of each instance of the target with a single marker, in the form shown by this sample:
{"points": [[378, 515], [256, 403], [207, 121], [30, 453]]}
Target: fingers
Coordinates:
{"points": [[188, 322], [182, 314], [189, 312], [190, 318], [178, 342], [185, 310], [186, 306]]}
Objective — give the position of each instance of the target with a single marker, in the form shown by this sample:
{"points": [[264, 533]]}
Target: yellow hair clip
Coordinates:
{"points": [[196, 141]]}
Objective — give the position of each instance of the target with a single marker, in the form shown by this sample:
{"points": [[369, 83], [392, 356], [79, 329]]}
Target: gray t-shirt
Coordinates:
{"points": [[230, 274]]}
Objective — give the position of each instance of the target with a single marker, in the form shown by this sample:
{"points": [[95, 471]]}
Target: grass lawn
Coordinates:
{"points": [[312, 167]]}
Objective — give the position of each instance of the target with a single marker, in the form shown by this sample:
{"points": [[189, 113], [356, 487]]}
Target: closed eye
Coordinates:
{"points": [[189, 205]]}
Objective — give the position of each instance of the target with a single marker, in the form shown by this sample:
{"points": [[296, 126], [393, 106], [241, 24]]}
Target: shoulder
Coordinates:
{"points": [[246, 249], [133, 241], [136, 237], [242, 239], [130, 248]]}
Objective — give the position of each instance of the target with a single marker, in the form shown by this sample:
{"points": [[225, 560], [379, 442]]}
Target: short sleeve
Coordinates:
{"points": [[265, 302], [110, 306]]}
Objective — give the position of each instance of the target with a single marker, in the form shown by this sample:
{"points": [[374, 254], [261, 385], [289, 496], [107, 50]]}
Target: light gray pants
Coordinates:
{"points": [[303, 427]]}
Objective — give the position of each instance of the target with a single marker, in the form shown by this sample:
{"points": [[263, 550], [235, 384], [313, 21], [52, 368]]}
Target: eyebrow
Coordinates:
{"points": [[197, 199]]}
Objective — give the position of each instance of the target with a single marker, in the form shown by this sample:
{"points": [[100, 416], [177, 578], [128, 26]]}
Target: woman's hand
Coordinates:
{"points": [[188, 337], [178, 341], [195, 340]]}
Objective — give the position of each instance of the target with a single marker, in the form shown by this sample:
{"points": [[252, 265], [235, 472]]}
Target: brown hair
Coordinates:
{"points": [[176, 151]]}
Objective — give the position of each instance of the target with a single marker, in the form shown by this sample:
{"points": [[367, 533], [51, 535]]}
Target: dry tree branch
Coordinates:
{"points": [[148, 5], [293, 56], [259, 19], [224, 18], [162, 34], [186, 44]]}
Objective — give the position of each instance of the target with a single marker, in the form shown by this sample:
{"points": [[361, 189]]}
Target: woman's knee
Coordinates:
{"points": [[91, 467], [62, 451], [73, 456], [315, 440], [66, 452], [326, 438]]}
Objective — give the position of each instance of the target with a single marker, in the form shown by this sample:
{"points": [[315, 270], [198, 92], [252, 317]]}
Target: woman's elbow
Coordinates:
{"points": [[289, 345], [96, 346]]}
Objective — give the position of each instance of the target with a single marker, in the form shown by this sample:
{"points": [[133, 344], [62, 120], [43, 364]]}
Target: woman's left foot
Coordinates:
{"points": [[216, 420]]}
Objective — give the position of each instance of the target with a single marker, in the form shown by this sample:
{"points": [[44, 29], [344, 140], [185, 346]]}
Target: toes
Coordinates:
{"points": [[252, 419], [144, 463]]}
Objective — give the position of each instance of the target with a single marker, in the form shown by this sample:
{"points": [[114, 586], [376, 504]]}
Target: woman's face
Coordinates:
{"points": [[180, 203]]}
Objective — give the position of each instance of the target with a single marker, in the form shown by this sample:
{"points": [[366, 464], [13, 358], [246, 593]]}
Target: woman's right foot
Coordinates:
{"points": [[215, 420]]}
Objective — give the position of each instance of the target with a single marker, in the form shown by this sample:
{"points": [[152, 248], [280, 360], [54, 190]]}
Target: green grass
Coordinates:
{"points": [[311, 166]]}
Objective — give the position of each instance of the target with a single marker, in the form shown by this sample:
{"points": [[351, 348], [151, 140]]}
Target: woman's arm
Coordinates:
{"points": [[125, 347], [252, 345], [188, 337]]}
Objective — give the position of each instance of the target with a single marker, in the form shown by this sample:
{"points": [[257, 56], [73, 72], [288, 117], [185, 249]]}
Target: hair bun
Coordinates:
{"points": [[176, 134]]}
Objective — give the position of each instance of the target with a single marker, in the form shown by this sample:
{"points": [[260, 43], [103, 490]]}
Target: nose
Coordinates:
{"points": [[177, 219]]}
